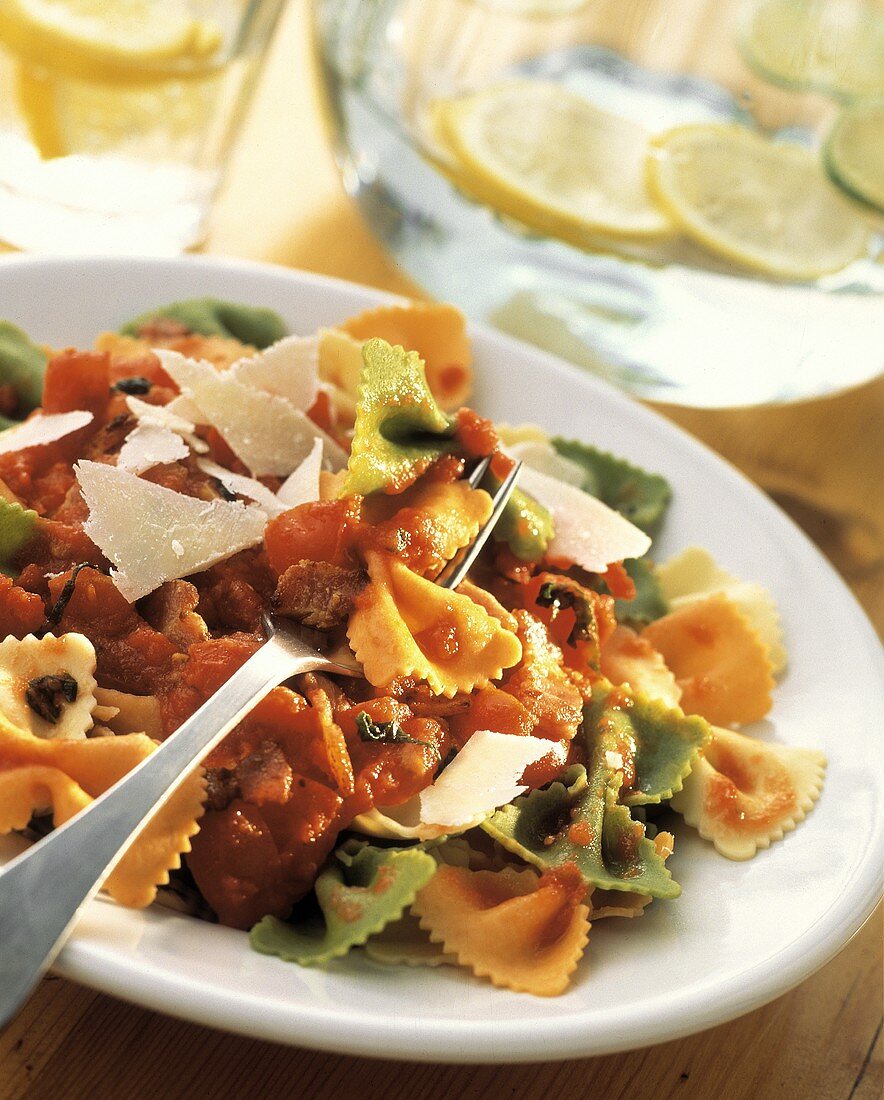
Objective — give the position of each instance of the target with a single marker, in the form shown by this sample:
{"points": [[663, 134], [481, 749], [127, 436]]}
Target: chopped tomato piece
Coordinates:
{"points": [[318, 531], [620, 584], [21, 612], [77, 380]]}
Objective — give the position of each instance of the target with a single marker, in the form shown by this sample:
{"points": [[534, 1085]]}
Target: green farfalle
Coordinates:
{"points": [[639, 496], [662, 742], [253, 325], [399, 427], [579, 821], [17, 525], [361, 891], [648, 603], [22, 366], [526, 526]]}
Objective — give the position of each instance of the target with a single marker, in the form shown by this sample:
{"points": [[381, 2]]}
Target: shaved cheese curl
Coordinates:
{"points": [[587, 531], [40, 430], [265, 431], [243, 486], [289, 368], [151, 445], [302, 484], [153, 534], [485, 774]]}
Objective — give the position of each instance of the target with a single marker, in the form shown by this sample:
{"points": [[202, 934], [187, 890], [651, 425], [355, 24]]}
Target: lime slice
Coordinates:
{"points": [[119, 41], [765, 205], [834, 45], [854, 152], [535, 151]]}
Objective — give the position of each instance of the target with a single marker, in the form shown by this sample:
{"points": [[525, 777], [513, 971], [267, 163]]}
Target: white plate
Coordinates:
{"points": [[741, 933]]}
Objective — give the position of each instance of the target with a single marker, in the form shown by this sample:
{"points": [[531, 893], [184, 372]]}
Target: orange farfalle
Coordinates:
{"points": [[65, 776], [523, 931], [437, 332], [720, 663], [627, 658]]}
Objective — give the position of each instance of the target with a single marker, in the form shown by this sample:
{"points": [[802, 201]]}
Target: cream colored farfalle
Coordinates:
{"points": [[131, 713], [743, 794], [523, 931], [452, 510], [24, 665], [405, 625], [694, 574], [404, 943], [340, 361]]}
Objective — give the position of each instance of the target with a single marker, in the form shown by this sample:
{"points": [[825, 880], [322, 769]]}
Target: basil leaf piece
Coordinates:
{"points": [[583, 824], [390, 733], [641, 497], [17, 526], [359, 893], [253, 325], [399, 427], [526, 526], [648, 603], [564, 592], [22, 366], [658, 744]]}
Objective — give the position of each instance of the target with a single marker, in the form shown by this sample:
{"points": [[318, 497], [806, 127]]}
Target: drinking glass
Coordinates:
{"points": [[117, 116], [684, 196]]}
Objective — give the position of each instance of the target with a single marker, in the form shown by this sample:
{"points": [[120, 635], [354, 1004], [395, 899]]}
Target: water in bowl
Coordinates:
{"points": [[636, 193]]}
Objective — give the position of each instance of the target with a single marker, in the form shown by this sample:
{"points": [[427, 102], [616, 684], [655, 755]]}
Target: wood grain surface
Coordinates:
{"points": [[822, 461]]}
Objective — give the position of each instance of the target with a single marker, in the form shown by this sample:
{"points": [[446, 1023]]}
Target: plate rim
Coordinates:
{"points": [[460, 1040]]}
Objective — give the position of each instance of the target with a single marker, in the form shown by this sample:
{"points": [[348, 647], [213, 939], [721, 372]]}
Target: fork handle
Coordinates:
{"points": [[43, 890]]}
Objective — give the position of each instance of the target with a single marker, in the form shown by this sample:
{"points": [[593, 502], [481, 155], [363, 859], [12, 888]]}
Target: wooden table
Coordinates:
{"points": [[822, 461]]}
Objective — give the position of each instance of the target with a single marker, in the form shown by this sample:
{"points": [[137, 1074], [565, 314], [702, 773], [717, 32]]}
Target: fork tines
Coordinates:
{"points": [[455, 571]]}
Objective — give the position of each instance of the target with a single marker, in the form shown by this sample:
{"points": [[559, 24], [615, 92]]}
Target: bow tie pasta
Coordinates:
{"points": [[512, 756]]}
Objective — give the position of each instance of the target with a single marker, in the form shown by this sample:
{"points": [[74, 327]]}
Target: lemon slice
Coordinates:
{"points": [[119, 41], [767, 206], [37, 98], [835, 45], [550, 159], [854, 152]]}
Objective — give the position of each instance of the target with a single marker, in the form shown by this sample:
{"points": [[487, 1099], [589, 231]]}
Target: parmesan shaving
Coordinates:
{"points": [[169, 417], [543, 457], [265, 431], [288, 368], [153, 534], [151, 445], [302, 485], [587, 531], [244, 486], [485, 774], [40, 430]]}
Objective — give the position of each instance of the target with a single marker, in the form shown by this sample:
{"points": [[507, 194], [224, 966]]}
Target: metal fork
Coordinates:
{"points": [[44, 890]]}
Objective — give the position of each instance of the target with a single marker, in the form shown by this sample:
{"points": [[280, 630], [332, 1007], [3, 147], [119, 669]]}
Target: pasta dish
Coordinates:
{"points": [[507, 769]]}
